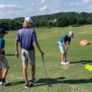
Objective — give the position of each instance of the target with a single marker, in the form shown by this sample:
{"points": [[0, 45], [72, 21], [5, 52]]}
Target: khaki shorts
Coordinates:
{"points": [[28, 57], [4, 62]]}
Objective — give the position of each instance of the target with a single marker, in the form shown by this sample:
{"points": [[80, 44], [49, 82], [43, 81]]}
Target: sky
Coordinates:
{"points": [[25, 8]]}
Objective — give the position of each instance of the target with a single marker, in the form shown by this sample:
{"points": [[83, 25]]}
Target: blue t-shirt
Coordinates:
{"points": [[2, 43], [65, 38], [26, 37]]}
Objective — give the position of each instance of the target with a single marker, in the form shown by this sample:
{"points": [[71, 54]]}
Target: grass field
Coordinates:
{"points": [[72, 78]]}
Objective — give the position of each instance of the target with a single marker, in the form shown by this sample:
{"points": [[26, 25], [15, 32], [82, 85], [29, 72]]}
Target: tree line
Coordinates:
{"points": [[61, 19]]}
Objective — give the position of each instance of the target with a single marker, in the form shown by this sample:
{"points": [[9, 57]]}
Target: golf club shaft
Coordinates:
{"points": [[44, 67]]}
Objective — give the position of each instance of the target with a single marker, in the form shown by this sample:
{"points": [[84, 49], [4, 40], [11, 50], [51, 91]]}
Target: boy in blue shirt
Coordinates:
{"points": [[4, 67], [64, 45], [27, 39]]}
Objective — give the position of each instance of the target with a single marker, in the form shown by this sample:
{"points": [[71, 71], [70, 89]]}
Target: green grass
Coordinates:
{"points": [[73, 78]]}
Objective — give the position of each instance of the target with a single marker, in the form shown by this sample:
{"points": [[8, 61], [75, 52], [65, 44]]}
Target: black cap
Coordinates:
{"points": [[3, 31]]}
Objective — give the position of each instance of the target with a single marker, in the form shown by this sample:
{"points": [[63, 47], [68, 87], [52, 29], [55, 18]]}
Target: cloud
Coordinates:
{"points": [[74, 3], [33, 4], [43, 8], [12, 10], [90, 7], [3, 6], [86, 1], [42, 1], [82, 2]]}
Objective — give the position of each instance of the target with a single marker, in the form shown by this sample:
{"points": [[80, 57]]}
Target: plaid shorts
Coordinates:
{"points": [[4, 62]]}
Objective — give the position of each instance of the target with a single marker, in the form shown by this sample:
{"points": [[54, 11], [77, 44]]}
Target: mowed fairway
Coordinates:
{"points": [[72, 78]]}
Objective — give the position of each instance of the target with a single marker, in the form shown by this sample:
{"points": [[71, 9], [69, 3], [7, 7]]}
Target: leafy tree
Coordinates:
{"points": [[62, 22], [61, 19]]}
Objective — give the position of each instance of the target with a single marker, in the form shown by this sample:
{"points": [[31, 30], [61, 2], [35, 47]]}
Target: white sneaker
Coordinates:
{"points": [[35, 80], [0, 82], [64, 63], [6, 83]]}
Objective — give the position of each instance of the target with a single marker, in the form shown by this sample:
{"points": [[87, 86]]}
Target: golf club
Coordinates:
{"points": [[46, 73], [44, 67]]}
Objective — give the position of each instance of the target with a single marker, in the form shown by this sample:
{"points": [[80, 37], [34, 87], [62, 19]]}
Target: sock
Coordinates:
{"points": [[0, 79], [3, 80]]}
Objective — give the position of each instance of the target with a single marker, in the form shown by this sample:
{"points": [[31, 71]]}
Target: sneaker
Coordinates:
{"points": [[0, 82], [64, 63], [35, 80], [6, 83], [30, 84]]}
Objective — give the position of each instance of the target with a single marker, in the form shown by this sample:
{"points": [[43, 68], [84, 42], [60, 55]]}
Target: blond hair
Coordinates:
{"points": [[26, 24]]}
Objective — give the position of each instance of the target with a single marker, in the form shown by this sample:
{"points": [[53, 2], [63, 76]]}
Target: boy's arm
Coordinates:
{"points": [[64, 44], [38, 46], [67, 46], [16, 50]]}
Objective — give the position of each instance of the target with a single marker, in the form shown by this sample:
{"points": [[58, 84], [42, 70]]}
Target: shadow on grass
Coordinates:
{"points": [[52, 81], [82, 62], [60, 80], [77, 81], [49, 81], [10, 54], [17, 83]]}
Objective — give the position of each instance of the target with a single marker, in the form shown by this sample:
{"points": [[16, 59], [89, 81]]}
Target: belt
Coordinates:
{"points": [[27, 49]]}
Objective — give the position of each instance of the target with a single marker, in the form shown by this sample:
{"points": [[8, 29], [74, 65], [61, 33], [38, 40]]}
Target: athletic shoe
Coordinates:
{"points": [[30, 84], [64, 63], [0, 82], [35, 80], [5, 83]]}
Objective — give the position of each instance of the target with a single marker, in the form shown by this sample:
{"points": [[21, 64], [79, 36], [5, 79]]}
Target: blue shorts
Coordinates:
{"points": [[61, 47]]}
